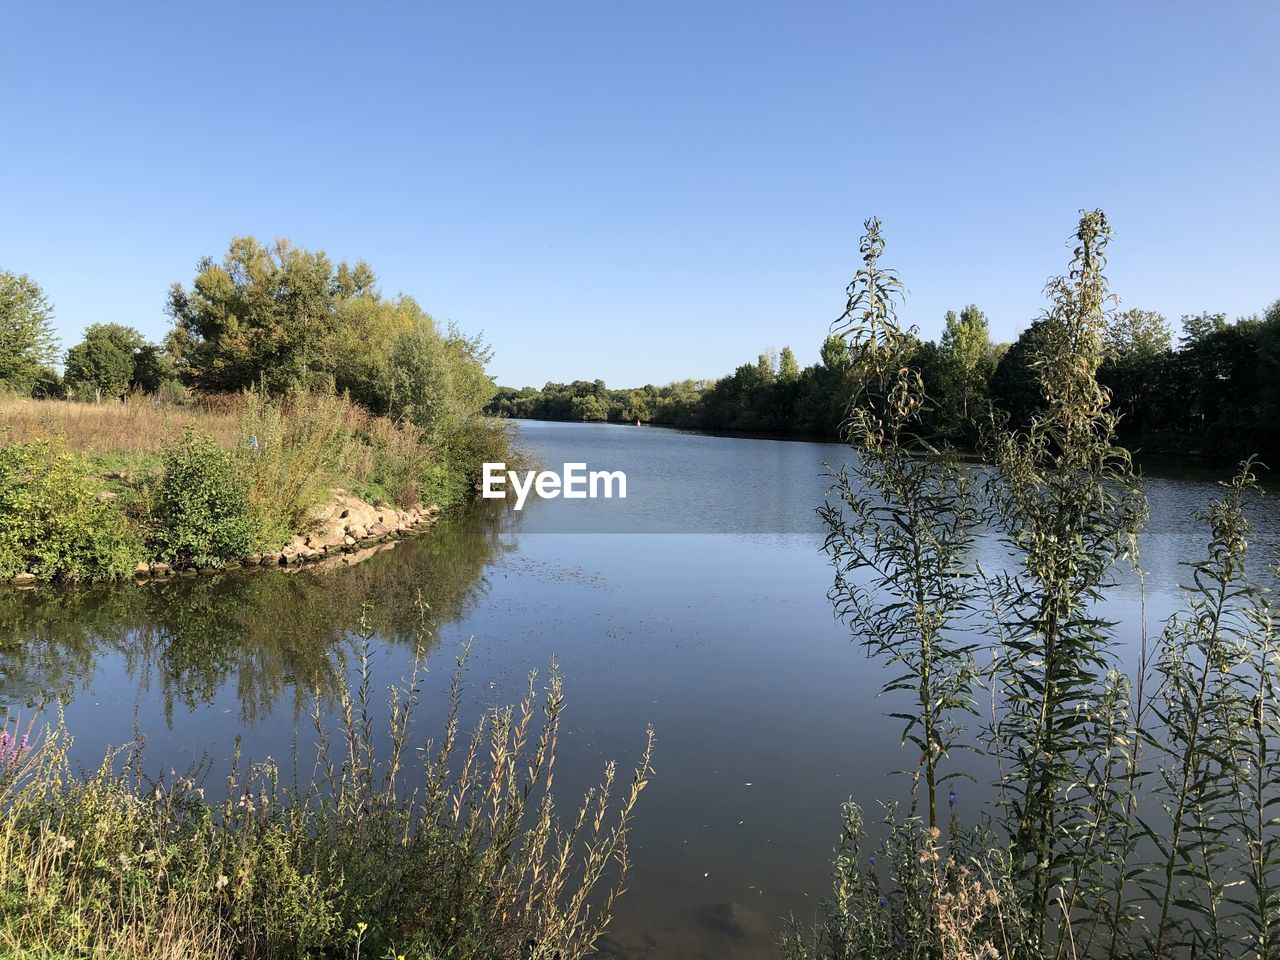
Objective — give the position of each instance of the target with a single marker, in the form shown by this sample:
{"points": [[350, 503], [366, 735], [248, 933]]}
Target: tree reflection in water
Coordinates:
{"points": [[266, 633]]}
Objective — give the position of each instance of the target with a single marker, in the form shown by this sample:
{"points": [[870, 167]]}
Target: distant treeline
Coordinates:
{"points": [[1216, 391]]}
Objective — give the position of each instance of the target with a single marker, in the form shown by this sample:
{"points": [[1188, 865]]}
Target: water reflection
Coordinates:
{"points": [[267, 635], [768, 714]]}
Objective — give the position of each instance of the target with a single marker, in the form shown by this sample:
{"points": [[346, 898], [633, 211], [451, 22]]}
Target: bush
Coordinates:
{"points": [[201, 512], [52, 522]]}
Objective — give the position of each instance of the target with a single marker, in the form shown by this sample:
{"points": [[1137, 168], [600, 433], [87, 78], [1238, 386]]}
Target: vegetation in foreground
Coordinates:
{"points": [[1135, 814], [284, 375], [464, 858]]}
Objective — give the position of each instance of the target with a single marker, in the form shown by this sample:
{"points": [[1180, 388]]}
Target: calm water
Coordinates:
{"points": [[697, 605]]}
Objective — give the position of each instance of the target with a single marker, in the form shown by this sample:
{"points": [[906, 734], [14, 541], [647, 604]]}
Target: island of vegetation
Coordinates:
{"points": [[292, 411]]}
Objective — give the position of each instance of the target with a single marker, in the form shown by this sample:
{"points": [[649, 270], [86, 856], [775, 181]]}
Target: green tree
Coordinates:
{"points": [[1138, 334], [105, 359], [966, 350], [27, 341], [788, 368], [1015, 385], [767, 364], [152, 367], [271, 315]]}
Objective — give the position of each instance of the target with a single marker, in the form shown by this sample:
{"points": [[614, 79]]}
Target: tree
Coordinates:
{"points": [[152, 367], [1201, 326], [1136, 371], [767, 364], [105, 360], [27, 341], [274, 315], [438, 381], [788, 368], [1137, 334], [965, 339], [966, 356], [1015, 384]]}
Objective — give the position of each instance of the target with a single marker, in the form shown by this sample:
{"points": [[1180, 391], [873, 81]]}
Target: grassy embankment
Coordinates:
{"points": [[87, 491]]}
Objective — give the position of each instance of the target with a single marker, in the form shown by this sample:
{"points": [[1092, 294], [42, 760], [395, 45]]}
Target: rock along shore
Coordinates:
{"points": [[345, 531]]}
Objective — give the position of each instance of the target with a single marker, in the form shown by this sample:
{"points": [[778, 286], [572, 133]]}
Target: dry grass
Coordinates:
{"points": [[138, 426], [468, 859]]}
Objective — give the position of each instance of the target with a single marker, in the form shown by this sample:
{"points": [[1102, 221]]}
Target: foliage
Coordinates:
{"points": [[27, 342], [103, 362], [281, 319], [291, 452], [915, 895], [901, 528], [1217, 393], [263, 316], [1137, 335], [1068, 507], [53, 522], [201, 510], [472, 864], [1218, 716], [1136, 810]]}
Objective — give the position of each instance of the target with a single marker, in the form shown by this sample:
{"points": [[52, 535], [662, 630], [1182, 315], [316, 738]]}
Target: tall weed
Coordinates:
{"points": [[467, 860], [1136, 813]]}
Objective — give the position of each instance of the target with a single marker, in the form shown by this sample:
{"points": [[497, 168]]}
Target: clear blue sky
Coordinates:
{"points": [[644, 191]]}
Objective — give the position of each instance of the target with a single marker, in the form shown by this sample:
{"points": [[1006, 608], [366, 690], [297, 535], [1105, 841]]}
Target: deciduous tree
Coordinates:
{"points": [[27, 342]]}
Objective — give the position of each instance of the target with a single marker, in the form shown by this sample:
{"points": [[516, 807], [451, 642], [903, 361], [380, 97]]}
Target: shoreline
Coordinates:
{"points": [[344, 532]]}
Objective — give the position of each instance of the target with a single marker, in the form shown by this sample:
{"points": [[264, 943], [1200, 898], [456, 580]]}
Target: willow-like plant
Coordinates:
{"points": [[1068, 507], [1214, 726], [899, 527], [1258, 901]]}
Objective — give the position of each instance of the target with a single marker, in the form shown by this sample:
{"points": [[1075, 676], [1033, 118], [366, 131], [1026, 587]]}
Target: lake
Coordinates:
{"points": [[697, 605]]}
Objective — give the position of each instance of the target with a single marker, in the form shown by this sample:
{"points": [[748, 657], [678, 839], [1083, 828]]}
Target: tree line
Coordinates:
{"points": [[1213, 391]]}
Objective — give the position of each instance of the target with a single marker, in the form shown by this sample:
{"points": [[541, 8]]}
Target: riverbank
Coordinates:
{"points": [[347, 531], [92, 492]]}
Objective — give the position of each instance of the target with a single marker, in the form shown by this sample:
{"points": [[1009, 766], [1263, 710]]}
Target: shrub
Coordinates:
{"points": [[52, 522], [201, 512], [916, 894], [393, 463]]}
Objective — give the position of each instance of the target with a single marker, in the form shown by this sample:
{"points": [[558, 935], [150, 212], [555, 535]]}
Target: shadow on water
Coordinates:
{"points": [[266, 634]]}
